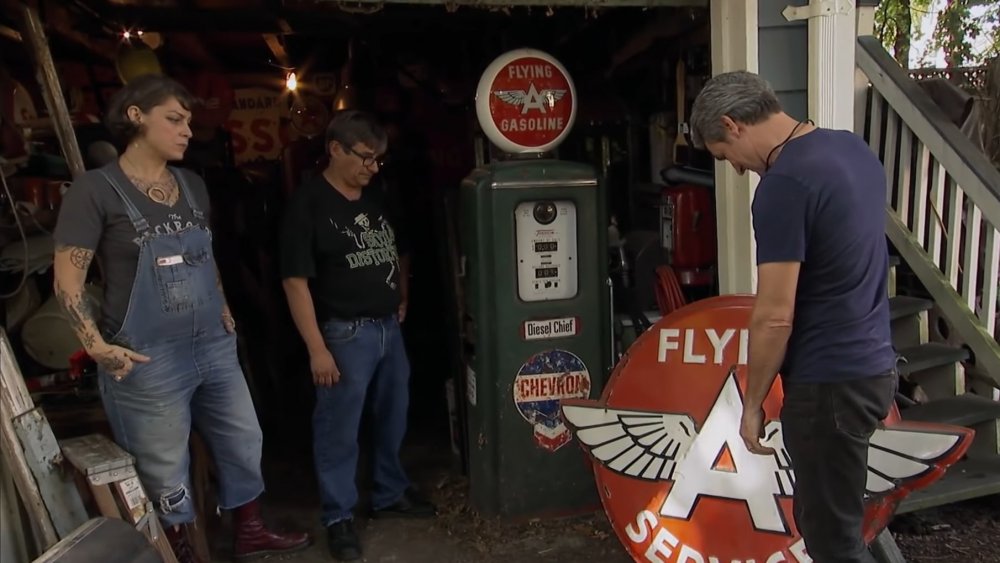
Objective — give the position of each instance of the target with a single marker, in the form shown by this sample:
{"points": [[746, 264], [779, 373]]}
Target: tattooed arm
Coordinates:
{"points": [[71, 265]]}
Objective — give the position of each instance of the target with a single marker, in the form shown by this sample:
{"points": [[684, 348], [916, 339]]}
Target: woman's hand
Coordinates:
{"points": [[116, 360], [228, 321]]}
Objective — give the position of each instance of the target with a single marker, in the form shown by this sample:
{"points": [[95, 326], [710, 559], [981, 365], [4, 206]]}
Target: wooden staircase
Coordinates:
{"points": [[943, 210], [936, 369]]}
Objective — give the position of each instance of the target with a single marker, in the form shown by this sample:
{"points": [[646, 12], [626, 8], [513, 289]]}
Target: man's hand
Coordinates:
{"points": [[116, 360], [324, 369], [402, 310], [752, 429]]}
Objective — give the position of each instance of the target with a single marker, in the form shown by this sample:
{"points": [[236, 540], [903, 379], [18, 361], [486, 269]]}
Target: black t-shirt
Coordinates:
{"points": [[93, 216], [347, 249]]}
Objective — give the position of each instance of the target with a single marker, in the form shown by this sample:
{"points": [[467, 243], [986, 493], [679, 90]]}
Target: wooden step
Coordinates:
{"points": [[929, 356], [909, 318], [964, 410], [936, 368], [902, 306], [965, 480]]}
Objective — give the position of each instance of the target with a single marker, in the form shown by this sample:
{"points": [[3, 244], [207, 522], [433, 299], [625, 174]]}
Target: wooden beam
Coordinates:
{"points": [[9, 33], [277, 49], [48, 79], [15, 401]]}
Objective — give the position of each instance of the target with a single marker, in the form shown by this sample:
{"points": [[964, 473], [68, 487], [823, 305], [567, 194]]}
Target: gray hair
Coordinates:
{"points": [[743, 96]]}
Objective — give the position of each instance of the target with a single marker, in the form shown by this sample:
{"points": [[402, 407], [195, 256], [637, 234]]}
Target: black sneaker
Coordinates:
{"points": [[343, 541], [410, 505]]}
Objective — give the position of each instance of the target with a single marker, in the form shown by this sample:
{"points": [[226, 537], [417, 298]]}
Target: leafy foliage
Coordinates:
{"points": [[955, 31]]}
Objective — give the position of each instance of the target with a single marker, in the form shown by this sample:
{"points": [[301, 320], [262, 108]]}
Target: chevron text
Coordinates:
{"points": [[703, 345]]}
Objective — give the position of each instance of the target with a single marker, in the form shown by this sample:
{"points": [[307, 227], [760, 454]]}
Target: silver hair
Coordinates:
{"points": [[743, 96]]}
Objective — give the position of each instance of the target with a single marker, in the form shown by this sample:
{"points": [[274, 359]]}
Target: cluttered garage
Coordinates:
{"points": [[639, 234]]}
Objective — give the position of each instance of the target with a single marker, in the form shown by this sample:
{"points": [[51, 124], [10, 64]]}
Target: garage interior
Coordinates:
{"points": [[415, 65]]}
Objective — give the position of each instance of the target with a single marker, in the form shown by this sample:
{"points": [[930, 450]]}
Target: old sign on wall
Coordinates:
{"points": [[677, 482]]}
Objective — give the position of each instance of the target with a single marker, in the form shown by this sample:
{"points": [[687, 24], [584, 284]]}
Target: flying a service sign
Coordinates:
{"points": [[526, 101], [677, 481]]}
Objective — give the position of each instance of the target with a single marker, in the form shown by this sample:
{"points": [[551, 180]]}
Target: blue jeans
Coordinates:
{"points": [[152, 410], [371, 357]]}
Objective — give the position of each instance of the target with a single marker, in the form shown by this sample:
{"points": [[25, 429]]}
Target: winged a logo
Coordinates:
{"points": [[677, 481], [650, 445], [532, 98]]}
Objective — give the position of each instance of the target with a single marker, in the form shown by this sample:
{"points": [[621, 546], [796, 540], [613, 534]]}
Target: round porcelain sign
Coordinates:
{"points": [[526, 101]]}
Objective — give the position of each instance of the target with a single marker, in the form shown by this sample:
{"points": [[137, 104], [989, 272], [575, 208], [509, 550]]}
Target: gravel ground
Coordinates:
{"points": [[967, 532]]}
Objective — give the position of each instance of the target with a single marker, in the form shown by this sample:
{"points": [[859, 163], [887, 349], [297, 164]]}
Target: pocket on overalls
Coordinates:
{"points": [[176, 277]]}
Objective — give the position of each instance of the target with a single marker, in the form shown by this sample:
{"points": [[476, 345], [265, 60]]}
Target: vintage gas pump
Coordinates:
{"points": [[533, 237]]}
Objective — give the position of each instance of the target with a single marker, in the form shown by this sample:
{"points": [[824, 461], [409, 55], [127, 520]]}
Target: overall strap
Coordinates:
{"points": [[139, 222], [187, 193]]}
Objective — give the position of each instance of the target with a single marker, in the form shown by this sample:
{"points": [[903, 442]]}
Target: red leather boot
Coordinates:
{"points": [[253, 538], [181, 546]]}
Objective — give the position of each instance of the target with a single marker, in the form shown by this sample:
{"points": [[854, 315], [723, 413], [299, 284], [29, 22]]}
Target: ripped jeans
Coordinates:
{"points": [[188, 382]]}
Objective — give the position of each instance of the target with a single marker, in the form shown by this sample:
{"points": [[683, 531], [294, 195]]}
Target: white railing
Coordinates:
{"points": [[943, 202]]}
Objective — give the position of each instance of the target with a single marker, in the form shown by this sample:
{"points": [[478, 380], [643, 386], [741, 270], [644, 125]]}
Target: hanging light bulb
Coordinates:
{"points": [[291, 82]]}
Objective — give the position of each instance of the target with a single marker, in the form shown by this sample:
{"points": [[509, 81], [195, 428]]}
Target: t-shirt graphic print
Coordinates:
{"points": [[375, 246]]}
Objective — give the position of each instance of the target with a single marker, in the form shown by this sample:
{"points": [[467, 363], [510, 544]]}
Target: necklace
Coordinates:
{"points": [[767, 161], [159, 191]]}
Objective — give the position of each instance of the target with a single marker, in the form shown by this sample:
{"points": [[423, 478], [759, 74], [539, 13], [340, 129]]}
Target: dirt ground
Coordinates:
{"points": [[964, 533], [967, 532], [456, 535]]}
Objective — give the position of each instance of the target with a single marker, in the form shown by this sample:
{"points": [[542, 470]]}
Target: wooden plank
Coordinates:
{"points": [[14, 401], [48, 79], [920, 193], [956, 206], [963, 481], [903, 191], [991, 272], [935, 232], [26, 486], [57, 487], [875, 123], [891, 146], [12, 383], [970, 266]]}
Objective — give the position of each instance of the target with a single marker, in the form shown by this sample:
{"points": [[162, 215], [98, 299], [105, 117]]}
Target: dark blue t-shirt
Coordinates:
{"points": [[822, 203]]}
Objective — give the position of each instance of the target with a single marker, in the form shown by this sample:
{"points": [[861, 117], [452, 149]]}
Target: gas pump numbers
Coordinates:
{"points": [[546, 250]]}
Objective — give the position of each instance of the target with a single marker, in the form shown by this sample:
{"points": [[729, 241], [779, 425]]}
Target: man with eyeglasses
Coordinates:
{"points": [[344, 273]]}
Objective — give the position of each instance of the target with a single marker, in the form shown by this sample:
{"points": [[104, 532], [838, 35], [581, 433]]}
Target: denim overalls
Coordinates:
{"points": [[193, 376]]}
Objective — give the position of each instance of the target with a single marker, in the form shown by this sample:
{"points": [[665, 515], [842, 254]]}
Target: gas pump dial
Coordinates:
{"points": [[546, 250]]}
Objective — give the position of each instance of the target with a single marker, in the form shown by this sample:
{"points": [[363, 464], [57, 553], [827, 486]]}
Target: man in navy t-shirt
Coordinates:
{"points": [[821, 315]]}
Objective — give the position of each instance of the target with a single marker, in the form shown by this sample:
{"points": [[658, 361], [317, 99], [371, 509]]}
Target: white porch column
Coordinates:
{"points": [[832, 41], [734, 47], [865, 26]]}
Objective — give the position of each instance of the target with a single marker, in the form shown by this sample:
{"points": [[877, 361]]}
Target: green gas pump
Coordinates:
{"points": [[537, 295]]}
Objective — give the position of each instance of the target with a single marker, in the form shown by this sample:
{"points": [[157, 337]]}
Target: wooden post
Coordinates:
{"points": [[48, 79]]}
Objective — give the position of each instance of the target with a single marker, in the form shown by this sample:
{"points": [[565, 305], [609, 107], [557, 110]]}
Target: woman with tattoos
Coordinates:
{"points": [[164, 339]]}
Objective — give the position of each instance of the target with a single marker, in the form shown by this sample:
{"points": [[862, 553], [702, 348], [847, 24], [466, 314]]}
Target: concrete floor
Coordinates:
{"points": [[457, 535]]}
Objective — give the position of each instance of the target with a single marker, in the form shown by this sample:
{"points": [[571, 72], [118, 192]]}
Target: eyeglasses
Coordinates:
{"points": [[368, 159]]}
